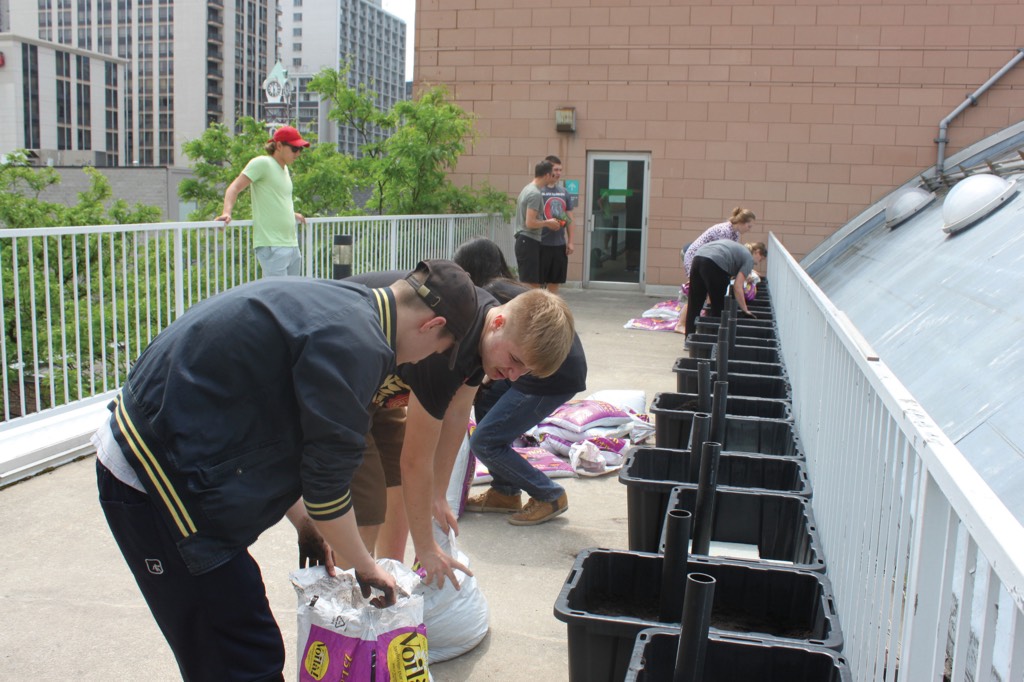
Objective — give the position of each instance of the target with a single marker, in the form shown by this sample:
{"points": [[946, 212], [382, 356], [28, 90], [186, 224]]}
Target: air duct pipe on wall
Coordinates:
{"points": [[972, 99]]}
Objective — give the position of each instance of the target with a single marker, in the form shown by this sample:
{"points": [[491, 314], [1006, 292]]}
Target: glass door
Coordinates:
{"points": [[616, 206]]}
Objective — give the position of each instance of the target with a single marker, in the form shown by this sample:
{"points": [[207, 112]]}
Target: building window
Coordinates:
{"points": [[297, 16], [63, 100], [110, 106], [297, 32], [30, 93], [84, 100]]}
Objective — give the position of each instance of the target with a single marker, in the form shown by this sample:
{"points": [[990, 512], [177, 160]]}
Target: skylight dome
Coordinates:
{"points": [[972, 199], [905, 203]]}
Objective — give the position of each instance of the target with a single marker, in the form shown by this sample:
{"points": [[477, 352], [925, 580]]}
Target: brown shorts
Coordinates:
{"points": [[381, 468]]}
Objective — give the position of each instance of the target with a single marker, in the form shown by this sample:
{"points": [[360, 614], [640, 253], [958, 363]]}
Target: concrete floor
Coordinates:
{"points": [[69, 608]]}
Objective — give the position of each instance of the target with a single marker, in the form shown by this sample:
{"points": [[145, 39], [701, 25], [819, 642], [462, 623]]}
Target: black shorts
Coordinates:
{"points": [[554, 264], [528, 259]]}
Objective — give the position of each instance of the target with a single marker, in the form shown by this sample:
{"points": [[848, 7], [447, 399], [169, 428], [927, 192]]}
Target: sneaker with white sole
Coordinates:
{"points": [[536, 511], [493, 501]]}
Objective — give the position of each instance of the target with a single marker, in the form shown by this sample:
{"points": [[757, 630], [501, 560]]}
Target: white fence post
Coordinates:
{"points": [[179, 274]]}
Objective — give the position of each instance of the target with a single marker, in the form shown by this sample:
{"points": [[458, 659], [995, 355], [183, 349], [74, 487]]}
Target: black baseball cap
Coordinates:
{"points": [[450, 293]]}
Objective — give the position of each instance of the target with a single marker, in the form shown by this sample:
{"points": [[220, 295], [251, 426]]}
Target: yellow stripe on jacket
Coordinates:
{"points": [[154, 472]]}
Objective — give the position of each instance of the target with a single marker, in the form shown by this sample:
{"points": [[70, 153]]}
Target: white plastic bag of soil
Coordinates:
{"points": [[461, 479], [457, 620], [342, 636]]}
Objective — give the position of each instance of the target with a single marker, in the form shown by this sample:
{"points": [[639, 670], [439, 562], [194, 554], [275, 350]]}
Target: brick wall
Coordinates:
{"points": [[804, 111]]}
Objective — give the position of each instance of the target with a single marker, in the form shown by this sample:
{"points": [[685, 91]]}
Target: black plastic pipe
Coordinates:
{"points": [[718, 406], [696, 621], [704, 386], [722, 362], [704, 507], [673, 568], [700, 427]]}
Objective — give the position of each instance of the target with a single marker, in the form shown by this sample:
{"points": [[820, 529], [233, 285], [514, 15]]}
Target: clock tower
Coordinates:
{"points": [[278, 91]]}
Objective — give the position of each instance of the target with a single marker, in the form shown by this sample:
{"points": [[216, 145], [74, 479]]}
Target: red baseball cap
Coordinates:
{"points": [[289, 135]]}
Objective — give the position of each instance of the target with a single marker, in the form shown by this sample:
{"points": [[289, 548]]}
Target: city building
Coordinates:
{"points": [[804, 111], [187, 64], [354, 34], [63, 104]]}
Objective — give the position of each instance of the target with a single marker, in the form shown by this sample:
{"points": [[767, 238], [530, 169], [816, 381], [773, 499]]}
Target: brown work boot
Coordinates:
{"points": [[493, 501], [536, 511]]}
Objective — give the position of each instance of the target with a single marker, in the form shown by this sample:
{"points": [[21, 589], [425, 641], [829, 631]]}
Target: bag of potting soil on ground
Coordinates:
{"points": [[456, 620], [342, 636]]}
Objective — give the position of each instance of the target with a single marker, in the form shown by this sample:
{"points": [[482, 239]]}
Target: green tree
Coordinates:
{"points": [[405, 157], [412, 175], [324, 180], [408, 169], [21, 185], [38, 326]]}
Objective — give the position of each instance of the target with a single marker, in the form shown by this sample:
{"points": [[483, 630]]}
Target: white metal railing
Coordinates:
{"points": [[80, 303], [926, 563]]}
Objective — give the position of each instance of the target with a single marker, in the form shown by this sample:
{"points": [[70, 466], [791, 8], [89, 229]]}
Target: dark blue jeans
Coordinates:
{"points": [[503, 414]]}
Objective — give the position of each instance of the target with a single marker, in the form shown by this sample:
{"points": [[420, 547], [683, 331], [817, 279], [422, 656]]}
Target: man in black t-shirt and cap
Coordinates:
{"points": [[250, 407]]}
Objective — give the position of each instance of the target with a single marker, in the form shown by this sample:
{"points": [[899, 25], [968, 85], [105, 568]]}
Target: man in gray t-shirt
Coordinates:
{"points": [[715, 264], [530, 223], [556, 245]]}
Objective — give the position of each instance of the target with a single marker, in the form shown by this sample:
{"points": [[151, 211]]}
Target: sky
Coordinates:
{"points": [[405, 10]]}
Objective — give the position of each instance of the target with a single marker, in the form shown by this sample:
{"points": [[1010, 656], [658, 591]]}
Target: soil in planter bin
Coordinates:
{"points": [[689, 406], [604, 603], [647, 607], [735, 620]]}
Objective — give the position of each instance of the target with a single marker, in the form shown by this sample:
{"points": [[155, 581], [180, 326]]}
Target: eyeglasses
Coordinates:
{"points": [[297, 150]]}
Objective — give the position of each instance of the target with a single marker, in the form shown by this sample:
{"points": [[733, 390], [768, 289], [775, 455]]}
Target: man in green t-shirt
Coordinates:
{"points": [[273, 213]]}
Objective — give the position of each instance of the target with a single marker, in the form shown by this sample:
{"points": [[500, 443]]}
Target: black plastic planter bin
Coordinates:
{"points": [[765, 369], [757, 342], [650, 474], [742, 434], [780, 526], [761, 308], [703, 349], [735, 406], [663, 468], [745, 385], [728, 659], [709, 325], [610, 596]]}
